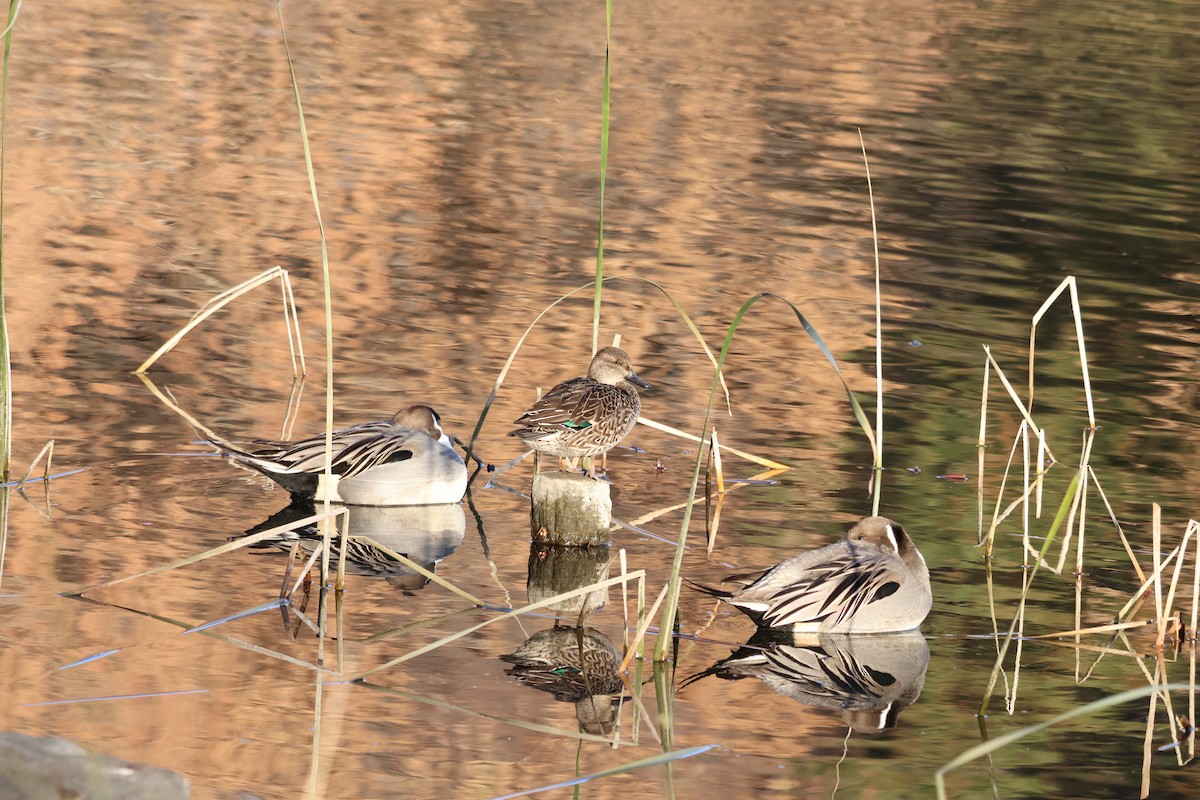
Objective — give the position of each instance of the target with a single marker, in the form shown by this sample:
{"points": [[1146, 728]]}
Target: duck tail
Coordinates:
{"points": [[720, 594]]}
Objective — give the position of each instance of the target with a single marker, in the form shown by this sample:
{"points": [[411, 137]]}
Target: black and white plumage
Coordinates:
{"points": [[406, 460], [583, 417], [873, 581]]}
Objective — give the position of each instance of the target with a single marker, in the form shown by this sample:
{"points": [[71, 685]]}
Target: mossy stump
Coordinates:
{"points": [[572, 510]]}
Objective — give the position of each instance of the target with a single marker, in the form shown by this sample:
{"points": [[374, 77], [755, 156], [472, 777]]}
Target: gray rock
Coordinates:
{"points": [[49, 768]]}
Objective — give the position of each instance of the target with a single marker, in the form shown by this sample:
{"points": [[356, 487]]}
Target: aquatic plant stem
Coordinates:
{"points": [[985, 748], [671, 606], [604, 118], [14, 8], [877, 484], [325, 278]]}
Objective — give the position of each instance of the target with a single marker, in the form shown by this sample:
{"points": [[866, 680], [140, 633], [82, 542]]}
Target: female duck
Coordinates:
{"points": [[873, 581], [584, 417], [405, 461]]}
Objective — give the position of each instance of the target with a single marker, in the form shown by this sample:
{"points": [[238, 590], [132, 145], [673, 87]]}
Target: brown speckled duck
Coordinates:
{"points": [[584, 417]]}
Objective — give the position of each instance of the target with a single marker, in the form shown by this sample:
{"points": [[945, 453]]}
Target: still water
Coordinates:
{"points": [[153, 159]]}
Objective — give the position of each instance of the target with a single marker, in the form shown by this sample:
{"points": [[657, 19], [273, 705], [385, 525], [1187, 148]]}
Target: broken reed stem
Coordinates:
{"points": [[226, 297], [1112, 515], [1068, 283], [1156, 543], [47, 451], [1170, 604], [637, 574], [658, 426], [1194, 528], [640, 635], [1016, 400], [715, 450]]}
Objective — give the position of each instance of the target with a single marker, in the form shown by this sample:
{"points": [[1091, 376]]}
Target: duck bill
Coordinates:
{"points": [[636, 381]]}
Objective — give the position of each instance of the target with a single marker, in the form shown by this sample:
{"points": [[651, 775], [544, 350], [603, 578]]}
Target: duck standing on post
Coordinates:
{"points": [[585, 417]]}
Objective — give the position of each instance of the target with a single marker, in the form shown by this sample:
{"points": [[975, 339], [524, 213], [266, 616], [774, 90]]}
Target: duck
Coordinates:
{"points": [[873, 581], [403, 461], [585, 417]]}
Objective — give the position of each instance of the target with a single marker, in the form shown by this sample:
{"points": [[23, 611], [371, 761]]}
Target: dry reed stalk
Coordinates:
{"points": [[1170, 604], [1110, 628], [981, 444], [1139, 597], [1027, 548], [1012, 394], [226, 297], [714, 522], [317, 552], [216, 551], [1112, 515], [878, 325], [639, 575], [763, 462], [1080, 507], [1148, 746], [1194, 527], [433, 576], [641, 631], [990, 536], [47, 451], [1068, 283], [623, 565], [1156, 534], [1192, 693], [715, 450]]}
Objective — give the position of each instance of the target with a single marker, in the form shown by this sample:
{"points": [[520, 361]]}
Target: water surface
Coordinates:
{"points": [[153, 159]]}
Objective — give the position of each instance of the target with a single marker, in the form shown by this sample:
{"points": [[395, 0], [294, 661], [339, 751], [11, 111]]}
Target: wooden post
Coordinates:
{"points": [[572, 510]]}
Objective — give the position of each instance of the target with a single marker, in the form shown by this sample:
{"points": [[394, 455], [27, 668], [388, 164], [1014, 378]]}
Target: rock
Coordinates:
{"points": [[49, 768]]}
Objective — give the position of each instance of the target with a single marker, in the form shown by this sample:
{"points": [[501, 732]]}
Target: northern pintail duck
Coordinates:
{"points": [[873, 581], [583, 417], [404, 461]]}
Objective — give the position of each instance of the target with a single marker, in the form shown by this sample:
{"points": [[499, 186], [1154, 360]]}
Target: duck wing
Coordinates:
{"points": [[355, 450], [573, 405], [836, 588]]}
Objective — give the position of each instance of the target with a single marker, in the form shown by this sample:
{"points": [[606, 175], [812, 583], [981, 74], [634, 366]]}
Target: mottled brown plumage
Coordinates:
{"points": [[583, 417]]}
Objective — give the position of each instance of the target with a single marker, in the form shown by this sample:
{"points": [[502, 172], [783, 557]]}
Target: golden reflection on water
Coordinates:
{"points": [[153, 160]]}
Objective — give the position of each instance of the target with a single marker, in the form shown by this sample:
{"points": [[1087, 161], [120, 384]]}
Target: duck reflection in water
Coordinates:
{"points": [[576, 665], [423, 534], [871, 679]]}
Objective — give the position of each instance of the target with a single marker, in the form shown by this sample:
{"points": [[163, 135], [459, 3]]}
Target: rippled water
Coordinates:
{"points": [[153, 159]]}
